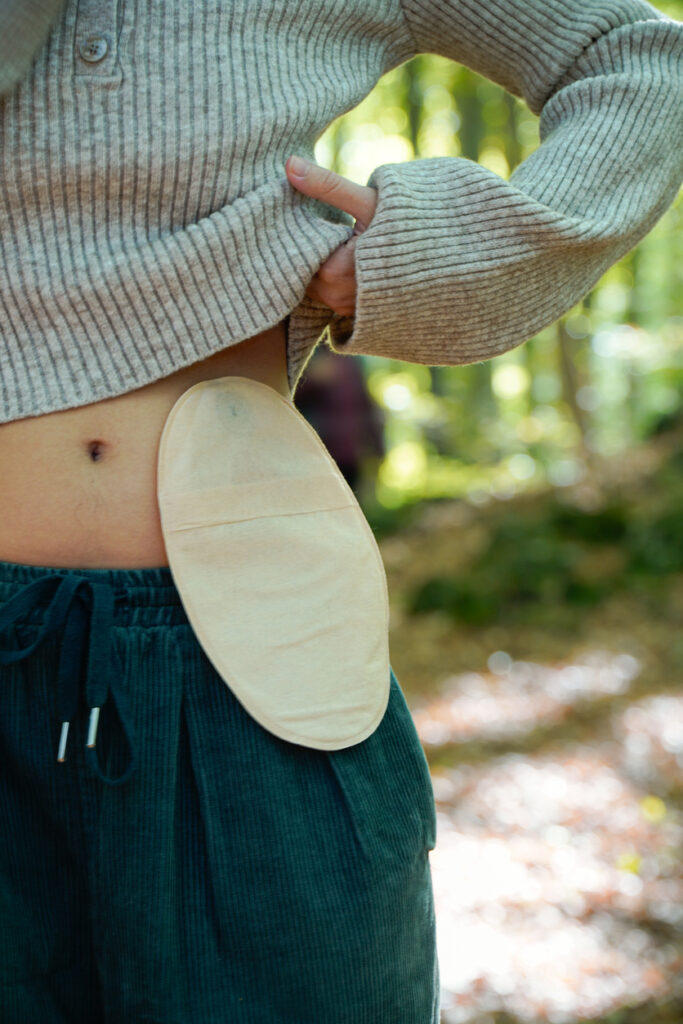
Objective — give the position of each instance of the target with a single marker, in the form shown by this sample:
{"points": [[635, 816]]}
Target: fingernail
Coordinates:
{"points": [[298, 166]]}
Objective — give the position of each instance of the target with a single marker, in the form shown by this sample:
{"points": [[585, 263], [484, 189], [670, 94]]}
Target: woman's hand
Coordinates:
{"points": [[334, 285]]}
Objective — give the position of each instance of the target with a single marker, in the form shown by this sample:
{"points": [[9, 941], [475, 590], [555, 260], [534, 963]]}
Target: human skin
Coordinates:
{"points": [[335, 282], [79, 485]]}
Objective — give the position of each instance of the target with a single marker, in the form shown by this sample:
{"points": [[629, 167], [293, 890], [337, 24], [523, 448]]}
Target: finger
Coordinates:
{"points": [[328, 186], [340, 265], [341, 309], [340, 300]]}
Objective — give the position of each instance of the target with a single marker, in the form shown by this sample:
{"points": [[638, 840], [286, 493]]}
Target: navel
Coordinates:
{"points": [[96, 450]]}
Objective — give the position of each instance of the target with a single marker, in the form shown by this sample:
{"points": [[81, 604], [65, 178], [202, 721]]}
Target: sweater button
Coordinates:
{"points": [[93, 49]]}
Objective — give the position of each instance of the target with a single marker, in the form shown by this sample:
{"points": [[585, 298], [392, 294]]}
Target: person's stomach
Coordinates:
{"points": [[79, 485]]}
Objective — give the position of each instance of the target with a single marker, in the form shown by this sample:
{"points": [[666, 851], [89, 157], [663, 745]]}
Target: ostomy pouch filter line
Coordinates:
{"points": [[276, 565]]}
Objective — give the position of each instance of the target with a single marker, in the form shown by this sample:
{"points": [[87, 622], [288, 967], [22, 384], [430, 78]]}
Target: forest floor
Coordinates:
{"points": [[538, 641]]}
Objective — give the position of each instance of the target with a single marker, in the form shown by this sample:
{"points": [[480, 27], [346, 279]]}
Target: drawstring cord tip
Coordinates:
{"points": [[92, 726], [61, 753]]}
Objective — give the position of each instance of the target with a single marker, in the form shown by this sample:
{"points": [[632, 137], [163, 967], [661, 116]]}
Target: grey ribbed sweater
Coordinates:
{"points": [[146, 220]]}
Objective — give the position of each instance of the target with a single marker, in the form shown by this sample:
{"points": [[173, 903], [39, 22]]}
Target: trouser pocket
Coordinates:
{"points": [[385, 784]]}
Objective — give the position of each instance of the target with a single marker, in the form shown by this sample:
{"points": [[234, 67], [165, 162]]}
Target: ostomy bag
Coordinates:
{"points": [[277, 568]]}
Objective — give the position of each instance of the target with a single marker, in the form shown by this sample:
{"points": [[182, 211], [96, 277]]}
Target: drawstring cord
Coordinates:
{"points": [[86, 611]]}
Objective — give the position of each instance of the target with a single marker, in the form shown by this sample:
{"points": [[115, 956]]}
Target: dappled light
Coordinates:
{"points": [[528, 510], [558, 887], [650, 734], [518, 695], [557, 876], [553, 723]]}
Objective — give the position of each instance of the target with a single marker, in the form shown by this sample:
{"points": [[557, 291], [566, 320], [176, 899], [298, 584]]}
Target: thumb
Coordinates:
{"points": [[328, 186]]}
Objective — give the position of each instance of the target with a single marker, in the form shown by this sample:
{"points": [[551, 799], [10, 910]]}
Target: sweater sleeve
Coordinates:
{"points": [[24, 26], [458, 264]]}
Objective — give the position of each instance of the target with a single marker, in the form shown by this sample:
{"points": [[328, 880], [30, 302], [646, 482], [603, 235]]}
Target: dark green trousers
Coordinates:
{"points": [[180, 863]]}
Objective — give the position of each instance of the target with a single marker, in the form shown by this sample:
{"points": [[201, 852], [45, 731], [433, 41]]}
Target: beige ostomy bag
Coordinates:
{"points": [[276, 565]]}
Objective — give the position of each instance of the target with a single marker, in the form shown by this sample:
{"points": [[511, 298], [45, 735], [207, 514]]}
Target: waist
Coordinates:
{"points": [[79, 486]]}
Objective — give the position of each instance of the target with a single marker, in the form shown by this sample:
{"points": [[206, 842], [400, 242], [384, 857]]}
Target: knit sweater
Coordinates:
{"points": [[146, 221]]}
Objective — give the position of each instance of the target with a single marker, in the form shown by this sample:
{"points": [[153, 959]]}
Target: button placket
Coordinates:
{"points": [[95, 43]]}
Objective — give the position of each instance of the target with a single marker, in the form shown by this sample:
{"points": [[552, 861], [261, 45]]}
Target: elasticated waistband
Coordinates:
{"points": [[145, 597]]}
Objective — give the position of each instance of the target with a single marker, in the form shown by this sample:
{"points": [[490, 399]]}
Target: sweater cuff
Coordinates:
{"points": [[438, 265]]}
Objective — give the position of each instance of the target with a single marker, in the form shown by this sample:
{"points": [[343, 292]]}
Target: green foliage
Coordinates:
{"points": [[525, 563], [558, 554], [607, 377], [385, 520], [467, 600], [654, 539], [604, 526], [656, 547]]}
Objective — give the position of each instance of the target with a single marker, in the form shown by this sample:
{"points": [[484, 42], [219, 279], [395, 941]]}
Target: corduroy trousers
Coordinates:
{"points": [[179, 863]]}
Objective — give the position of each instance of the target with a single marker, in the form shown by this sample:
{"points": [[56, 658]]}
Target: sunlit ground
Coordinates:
{"points": [[558, 772], [558, 880], [518, 695]]}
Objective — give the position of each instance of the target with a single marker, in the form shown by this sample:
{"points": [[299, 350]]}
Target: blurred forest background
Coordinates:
{"points": [[530, 515]]}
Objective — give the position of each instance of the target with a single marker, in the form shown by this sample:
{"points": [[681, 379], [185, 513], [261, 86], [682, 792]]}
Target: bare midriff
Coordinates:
{"points": [[79, 486]]}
